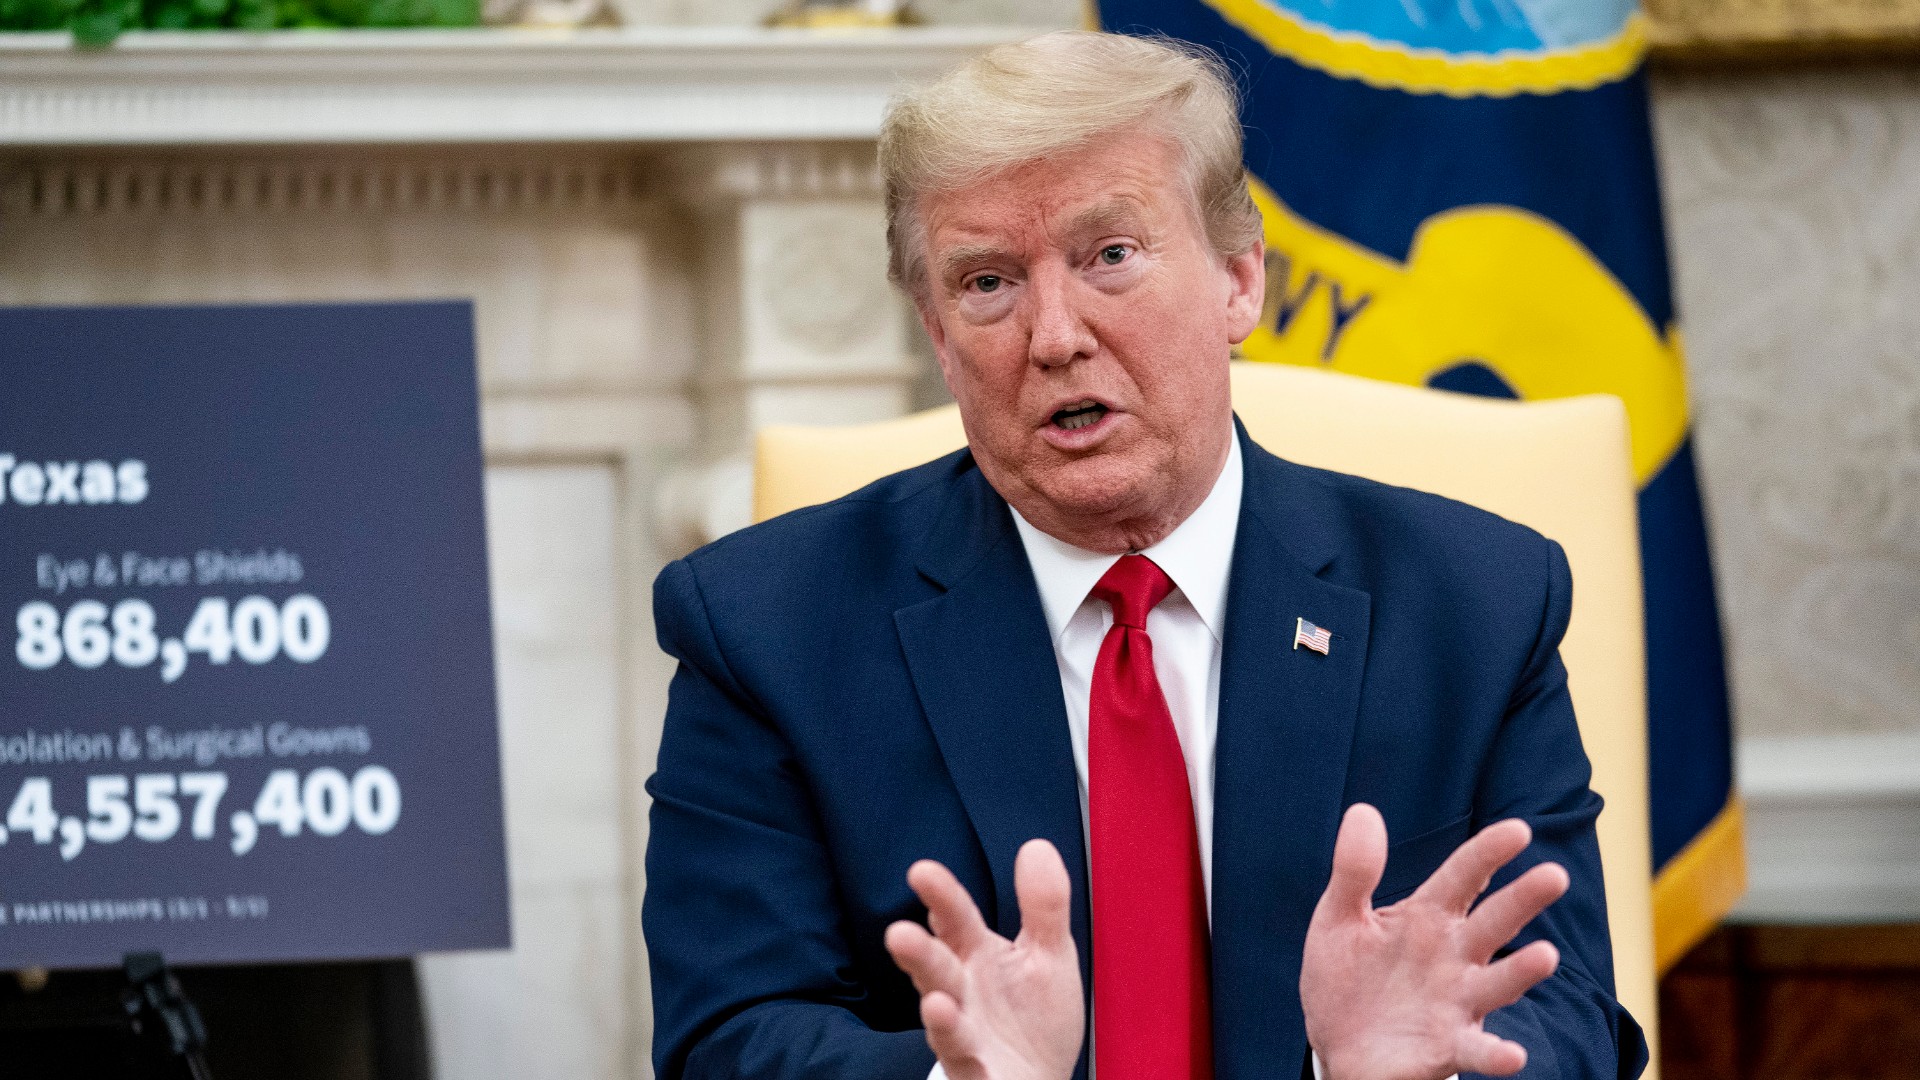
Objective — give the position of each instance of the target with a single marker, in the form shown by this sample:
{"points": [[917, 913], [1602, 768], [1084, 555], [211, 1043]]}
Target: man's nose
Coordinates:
{"points": [[1059, 332]]}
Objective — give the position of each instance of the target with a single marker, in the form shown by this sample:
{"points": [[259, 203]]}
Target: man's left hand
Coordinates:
{"points": [[1399, 992]]}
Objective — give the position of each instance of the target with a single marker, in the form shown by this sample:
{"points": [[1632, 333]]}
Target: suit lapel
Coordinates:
{"points": [[1285, 730], [984, 668]]}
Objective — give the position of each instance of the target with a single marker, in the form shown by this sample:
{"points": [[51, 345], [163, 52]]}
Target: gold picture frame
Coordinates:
{"points": [[1782, 30]]}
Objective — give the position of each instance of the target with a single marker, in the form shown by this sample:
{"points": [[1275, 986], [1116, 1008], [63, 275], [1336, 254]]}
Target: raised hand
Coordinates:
{"points": [[1399, 992], [996, 1009]]}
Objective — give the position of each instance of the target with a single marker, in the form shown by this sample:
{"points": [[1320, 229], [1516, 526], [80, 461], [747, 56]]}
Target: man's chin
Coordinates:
{"points": [[1095, 490]]}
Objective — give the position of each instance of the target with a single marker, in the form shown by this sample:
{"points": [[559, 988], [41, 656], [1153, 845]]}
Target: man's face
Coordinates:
{"points": [[1084, 325]]}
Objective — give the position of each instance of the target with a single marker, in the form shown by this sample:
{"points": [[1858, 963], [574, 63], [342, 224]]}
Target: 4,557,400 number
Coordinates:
{"points": [[324, 802]]}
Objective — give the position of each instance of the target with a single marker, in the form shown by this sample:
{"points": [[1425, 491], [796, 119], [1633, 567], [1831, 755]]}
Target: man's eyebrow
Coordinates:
{"points": [[957, 259], [1113, 215]]}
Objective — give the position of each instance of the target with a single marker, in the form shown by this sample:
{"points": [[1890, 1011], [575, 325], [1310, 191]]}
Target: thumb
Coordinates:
{"points": [[1359, 858], [1045, 894]]}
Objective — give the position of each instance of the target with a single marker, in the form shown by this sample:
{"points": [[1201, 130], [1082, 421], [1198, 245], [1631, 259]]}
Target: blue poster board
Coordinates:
{"points": [[246, 696]]}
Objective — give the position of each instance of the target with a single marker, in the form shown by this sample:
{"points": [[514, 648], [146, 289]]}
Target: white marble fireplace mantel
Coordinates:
{"points": [[451, 86]]}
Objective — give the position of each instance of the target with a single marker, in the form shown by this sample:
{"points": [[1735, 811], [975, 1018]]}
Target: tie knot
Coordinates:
{"points": [[1133, 586]]}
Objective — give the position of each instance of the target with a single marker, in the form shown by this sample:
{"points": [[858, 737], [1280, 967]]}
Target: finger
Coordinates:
{"points": [[951, 913], [1466, 872], [1489, 1054], [926, 959], [1507, 912], [946, 1028], [1504, 981], [1046, 896], [1359, 858]]}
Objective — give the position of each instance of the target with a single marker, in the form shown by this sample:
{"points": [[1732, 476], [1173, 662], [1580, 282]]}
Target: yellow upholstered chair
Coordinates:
{"points": [[1561, 467]]}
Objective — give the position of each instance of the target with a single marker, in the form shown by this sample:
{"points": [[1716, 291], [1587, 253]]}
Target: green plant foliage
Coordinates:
{"points": [[99, 22]]}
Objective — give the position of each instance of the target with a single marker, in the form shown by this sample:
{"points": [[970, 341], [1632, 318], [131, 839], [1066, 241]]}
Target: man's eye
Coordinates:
{"points": [[1113, 254], [987, 282]]}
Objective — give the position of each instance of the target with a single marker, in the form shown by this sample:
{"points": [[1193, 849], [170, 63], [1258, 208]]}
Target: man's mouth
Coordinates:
{"points": [[1079, 415]]}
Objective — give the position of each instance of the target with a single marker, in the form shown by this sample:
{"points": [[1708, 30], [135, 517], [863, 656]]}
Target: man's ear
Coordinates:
{"points": [[1246, 290]]}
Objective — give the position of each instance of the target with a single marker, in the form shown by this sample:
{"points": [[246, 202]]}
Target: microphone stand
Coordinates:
{"points": [[156, 1004]]}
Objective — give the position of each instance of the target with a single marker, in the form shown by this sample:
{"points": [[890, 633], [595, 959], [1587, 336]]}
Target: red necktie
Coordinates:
{"points": [[1151, 998]]}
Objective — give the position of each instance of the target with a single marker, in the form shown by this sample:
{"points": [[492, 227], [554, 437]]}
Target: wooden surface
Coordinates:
{"points": [[1795, 1003], [1782, 30]]}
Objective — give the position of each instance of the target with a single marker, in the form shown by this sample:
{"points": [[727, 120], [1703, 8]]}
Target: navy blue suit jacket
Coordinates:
{"points": [[870, 682]]}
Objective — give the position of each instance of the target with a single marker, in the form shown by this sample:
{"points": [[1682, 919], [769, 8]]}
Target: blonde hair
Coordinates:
{"points": [[1051, 94]]}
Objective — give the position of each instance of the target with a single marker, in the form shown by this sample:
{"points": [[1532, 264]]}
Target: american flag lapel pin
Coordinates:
{"points": [[1317, 638]]}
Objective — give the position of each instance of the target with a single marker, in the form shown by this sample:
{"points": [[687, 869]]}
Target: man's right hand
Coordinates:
{"points": [[996, 1009]]}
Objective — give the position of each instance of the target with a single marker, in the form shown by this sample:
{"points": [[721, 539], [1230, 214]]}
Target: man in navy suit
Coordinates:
{"points": [[1079, 750]]}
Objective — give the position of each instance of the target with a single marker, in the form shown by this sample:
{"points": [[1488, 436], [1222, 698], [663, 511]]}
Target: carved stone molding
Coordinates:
{"points": [[840, 297], [369, 181], [791, 170], [798, 323], [795, 247]]}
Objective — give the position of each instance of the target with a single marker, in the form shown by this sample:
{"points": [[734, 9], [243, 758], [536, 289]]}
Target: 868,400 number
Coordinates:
{"points": [[88, 635]]}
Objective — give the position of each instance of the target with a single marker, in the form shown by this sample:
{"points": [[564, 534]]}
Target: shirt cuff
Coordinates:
{"points": [[1318, 1073]]}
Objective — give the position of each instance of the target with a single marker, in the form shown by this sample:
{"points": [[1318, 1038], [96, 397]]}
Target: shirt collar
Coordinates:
{"points": [[1197, 555]]}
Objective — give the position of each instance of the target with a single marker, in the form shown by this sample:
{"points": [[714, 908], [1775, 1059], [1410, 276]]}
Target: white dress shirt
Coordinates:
{"points": [[1187, 629]]}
